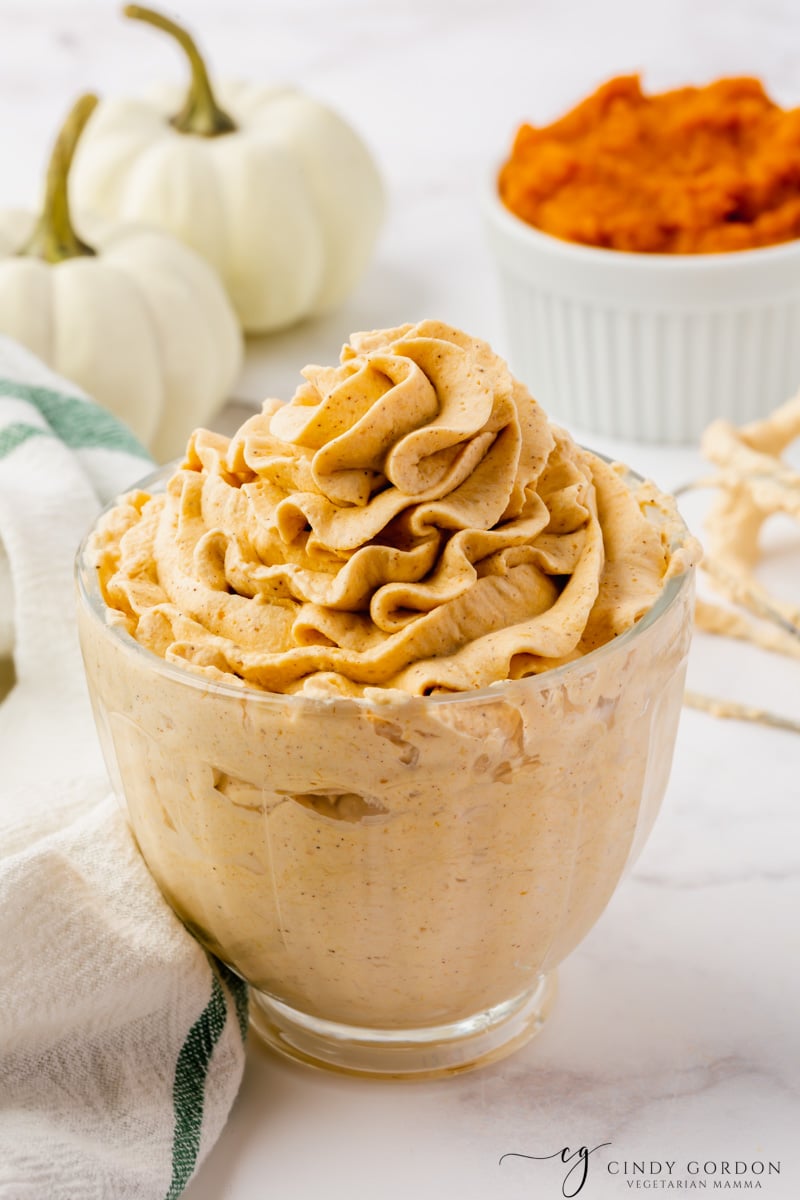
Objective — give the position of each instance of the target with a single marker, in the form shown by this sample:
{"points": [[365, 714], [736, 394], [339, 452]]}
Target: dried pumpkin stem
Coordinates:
{"points": [[200, 115], [54, 238]]}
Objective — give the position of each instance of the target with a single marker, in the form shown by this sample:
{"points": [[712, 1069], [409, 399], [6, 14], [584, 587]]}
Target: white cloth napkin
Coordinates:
{"points": [[121, 1042]]}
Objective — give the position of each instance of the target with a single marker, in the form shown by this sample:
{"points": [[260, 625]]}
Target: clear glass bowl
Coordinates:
{"points": [[396, 881]]}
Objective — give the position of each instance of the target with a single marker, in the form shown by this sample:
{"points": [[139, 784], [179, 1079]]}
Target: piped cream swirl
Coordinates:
{"points": [[409, 520]]}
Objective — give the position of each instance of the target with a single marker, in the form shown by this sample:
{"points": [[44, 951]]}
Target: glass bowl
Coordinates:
{"points": [[397, 880]]}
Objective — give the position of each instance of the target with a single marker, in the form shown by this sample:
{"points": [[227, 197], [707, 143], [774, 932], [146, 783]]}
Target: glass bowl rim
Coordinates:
{"points": [[91, 598]]}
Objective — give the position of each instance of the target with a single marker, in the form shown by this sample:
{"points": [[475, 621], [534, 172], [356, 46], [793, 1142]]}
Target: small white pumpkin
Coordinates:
{"points": [[277, 192], [142, 323]]}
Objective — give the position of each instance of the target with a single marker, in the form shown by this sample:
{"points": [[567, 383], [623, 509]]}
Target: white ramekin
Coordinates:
{"points": [[650, 347]]}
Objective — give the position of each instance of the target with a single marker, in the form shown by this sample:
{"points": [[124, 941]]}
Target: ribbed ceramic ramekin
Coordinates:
{"points": [[643, 346]]}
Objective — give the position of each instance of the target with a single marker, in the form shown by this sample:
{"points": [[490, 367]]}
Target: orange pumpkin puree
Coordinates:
{"points": [[692, 171]]}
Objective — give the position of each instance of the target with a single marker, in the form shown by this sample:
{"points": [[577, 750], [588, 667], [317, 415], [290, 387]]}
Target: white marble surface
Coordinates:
{"points": [[676, 1035]]}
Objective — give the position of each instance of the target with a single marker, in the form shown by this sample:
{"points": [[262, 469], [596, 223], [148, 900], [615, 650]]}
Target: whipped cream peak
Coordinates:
{"points": [[409, 520]]}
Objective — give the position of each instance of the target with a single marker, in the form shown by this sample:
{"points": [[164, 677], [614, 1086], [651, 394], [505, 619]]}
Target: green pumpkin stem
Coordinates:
{"points": [[54, 238], [200, 115]]}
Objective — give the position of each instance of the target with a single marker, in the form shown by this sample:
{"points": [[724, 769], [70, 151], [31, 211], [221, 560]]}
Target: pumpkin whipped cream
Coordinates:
{"points": [[410, 520], [367, 791]]}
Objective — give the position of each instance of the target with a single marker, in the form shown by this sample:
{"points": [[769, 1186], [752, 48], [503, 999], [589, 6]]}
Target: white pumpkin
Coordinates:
{"points": [[140, 322], [277, 192]]}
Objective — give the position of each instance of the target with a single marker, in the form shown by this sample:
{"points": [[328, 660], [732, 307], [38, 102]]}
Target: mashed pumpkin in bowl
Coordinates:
{"points": [[690, 171], [648, 255]]}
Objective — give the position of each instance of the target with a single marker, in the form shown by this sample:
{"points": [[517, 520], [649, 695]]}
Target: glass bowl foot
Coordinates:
{"points": [[437, 1050]]}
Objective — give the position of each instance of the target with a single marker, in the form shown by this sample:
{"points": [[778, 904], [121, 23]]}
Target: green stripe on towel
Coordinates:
{"points": [[17, 433], [238, 989], [188, 1090], [78, 423]]}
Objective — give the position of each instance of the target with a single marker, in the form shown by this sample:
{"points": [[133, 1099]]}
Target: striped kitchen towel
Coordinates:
{"points": [[121, 1042]]}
